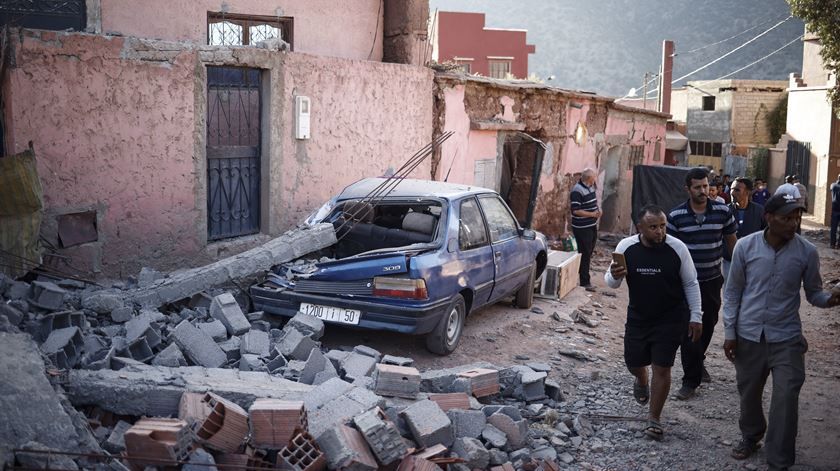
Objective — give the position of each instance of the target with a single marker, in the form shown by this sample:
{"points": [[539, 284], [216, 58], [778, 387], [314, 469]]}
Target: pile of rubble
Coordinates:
{"points": [[208, 384]]}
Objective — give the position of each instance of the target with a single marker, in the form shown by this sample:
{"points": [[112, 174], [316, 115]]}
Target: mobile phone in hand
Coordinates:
{"points": [[619, 259]]}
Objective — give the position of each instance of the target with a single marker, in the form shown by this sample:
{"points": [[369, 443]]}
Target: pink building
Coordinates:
{"points": [[491, 52], [179, 141]]}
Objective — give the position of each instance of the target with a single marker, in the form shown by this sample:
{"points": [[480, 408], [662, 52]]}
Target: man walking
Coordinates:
{"points": [[761, 194], [585, 214], [707, 228], [763, 330], [835, 212], [748, 215], [664, 307], [803, 192]]}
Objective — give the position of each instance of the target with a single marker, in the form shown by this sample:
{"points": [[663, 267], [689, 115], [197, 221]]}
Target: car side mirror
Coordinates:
{"points": [[528, 234]]}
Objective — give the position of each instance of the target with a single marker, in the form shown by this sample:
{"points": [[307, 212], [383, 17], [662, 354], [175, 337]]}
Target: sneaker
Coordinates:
{"points": [[744, 449], [705, 377], [685, 393]]}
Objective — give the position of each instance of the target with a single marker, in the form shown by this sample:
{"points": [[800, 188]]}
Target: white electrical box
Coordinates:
{"points": [[303, 109]]}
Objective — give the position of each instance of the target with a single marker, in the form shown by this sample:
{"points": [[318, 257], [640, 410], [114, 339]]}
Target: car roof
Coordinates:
{"points": [[412, 188]]}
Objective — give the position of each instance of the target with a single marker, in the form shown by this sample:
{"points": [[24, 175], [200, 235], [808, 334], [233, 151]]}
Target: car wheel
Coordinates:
{"points": [[444, 339], [525, 295]]}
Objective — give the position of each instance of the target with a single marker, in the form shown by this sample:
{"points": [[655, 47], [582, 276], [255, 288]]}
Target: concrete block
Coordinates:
{"points": [[467, 423], [533, 385], [515, 431], [263, 326], [336, 357], [12, 314], [254, 342], [428, 423], [510, 411], [99, 360], [473, 451], [227, 310], [368, 351], [64, 347], [141, 327], [115, 443], [198, 346], [17, 290], [122, 314], [102, 302], [327, 392], [439, 381], [552, 390], [493, 436], [326, 375], [293, 369], [138, 349], [46, 295], [231, 348], [59, 320], [381, 435], [274, 365], [395, 360], [315, 364], [200, 460], [294, 345], [355, 365], [310, 326], [346, 449], [215, 329], [498, 457], [399, 381], [170, 356], [250, 362]]}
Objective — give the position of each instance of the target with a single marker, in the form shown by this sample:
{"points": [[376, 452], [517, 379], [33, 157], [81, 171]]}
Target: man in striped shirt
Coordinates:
{"points": [[707, 228], [585, 214]]}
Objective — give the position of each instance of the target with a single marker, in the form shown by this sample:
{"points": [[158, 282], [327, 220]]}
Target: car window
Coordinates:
{"points": [[499, 220], [471, 231]]}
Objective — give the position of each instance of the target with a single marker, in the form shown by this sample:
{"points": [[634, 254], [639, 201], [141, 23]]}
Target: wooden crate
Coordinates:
{"points": [[560, 275]]}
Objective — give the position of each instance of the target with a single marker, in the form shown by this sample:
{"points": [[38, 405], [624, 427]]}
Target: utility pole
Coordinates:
{"points": [[644, 91], [666, 69]]}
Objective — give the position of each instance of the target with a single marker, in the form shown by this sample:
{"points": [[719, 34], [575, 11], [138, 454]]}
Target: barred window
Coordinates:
{"points": [[499, 68], [224, 29]]}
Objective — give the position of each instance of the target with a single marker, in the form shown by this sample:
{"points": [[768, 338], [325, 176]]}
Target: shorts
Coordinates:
{"points": [[655, 344]]}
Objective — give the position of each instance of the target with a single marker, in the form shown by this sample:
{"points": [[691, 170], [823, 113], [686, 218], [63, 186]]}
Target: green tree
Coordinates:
{"points": [[823, 19]]}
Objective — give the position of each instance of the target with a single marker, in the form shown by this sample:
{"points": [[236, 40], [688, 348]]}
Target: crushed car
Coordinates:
{"points": [[416, 258]]}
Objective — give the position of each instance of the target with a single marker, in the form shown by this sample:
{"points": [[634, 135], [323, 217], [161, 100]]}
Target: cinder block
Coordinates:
{"points": [[102, 303], [115, 443], [227, 310], [395, 360], [215, 329], [46, 295], [310, 326], [345, 448], [59, 320], [12, 314], [198, 346], [533, 386], [336, 357], [159, 439], [428, 423], [355, 365], [515, 431], [381, 435], [122, 314], [368, 351], [315, 364], [254, 342], [274, 365], [249, 362], [138, 350], [294, 345], [141, 326], [64, 347], [467, 423], [553, 391], [473, 451], [231, 347], [399, 381], [301, 454], [170, 356], [274, 422]]}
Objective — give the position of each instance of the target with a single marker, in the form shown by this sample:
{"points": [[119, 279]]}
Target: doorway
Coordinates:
{"points": [[521, 165]]}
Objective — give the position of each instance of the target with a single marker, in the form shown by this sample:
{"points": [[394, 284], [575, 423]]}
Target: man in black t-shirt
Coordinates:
{"points": [[664, 304]]}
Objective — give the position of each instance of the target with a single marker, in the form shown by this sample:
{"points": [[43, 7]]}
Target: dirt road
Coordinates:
{"points": [[699, 432]]}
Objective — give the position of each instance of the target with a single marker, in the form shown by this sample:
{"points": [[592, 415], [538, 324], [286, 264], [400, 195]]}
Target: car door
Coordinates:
{"points": [[510, 253], [475, 261]]}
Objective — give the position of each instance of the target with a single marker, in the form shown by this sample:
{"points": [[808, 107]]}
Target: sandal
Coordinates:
{"points": [[641, 393], [654, 430], [744, 449]]}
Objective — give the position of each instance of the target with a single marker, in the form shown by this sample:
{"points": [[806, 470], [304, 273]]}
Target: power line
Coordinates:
{"points": [[759, 60], [729, 38]]}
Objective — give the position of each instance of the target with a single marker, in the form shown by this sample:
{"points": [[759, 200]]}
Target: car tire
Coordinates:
{"points": [[444, 339], [525, 295]]}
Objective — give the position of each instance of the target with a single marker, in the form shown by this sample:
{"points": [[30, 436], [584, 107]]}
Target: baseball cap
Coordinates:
{"points": [[782, 203]]}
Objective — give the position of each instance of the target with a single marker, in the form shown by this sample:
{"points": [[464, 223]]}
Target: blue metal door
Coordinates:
{"points": [[233, 152]]}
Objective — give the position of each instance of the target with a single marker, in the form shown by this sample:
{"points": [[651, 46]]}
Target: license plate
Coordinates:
{"points": [[331, 313]]}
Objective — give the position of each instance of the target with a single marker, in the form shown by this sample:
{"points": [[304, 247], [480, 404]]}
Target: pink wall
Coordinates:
{"points": [[126, 137], [325, 27], [464, 35]]}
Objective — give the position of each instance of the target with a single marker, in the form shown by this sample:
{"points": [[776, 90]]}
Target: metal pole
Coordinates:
{"points": [[644, 92]]}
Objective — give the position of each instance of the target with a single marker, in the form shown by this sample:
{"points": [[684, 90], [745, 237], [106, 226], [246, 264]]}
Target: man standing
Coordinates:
{"points": [[714, 194], [788, 188], [704, 226], [749, 215], [761, 195], [835, 211], [664, 307], [763, 329], [585, 214]]}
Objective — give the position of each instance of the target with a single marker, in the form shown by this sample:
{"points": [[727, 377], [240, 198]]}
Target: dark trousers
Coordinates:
{"points": [[585, 239], [835, 220], [693, 353], [753, 362]]}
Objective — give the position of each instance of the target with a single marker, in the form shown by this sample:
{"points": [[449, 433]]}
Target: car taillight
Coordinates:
{"points": [[406, 288]]}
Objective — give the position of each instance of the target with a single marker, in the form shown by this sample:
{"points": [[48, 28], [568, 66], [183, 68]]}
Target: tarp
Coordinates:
{"points": [[661, 185], [21, 202]]}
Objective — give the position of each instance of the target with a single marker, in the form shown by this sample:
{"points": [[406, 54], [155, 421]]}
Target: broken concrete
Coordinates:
{"points": [[198, 346], [30, 410], [225, 309], [184, 284], [428, 423], [310, 326]]}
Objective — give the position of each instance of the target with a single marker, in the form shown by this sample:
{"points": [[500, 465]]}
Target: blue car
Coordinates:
{"points": [[416, 260]]}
